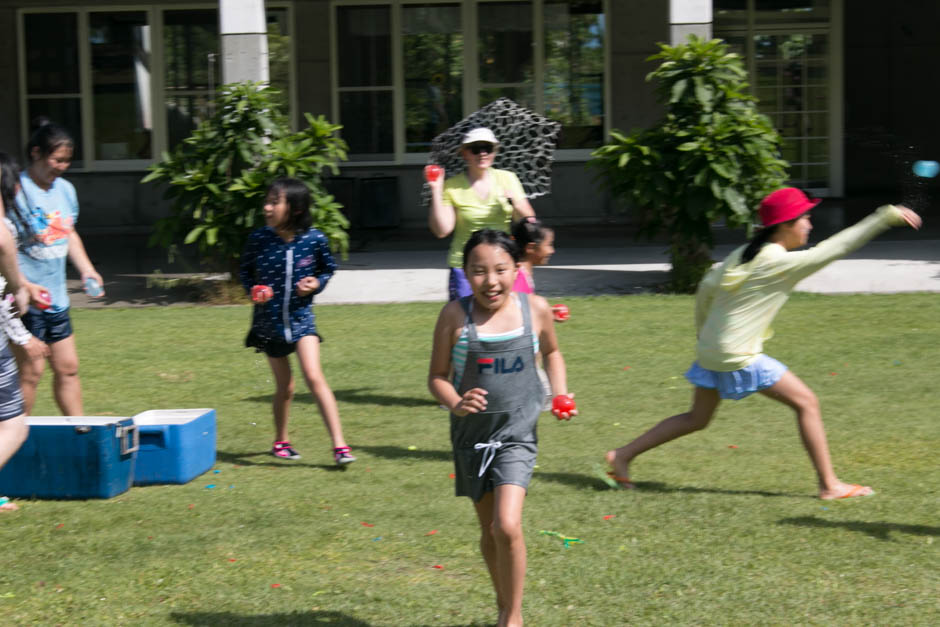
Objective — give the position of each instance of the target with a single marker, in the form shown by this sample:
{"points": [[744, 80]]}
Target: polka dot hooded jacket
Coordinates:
{"points": [[269, 260]]}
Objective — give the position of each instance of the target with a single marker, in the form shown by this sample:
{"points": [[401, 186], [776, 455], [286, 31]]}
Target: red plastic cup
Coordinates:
{"points": [[45, 300], [560, 312], [562, 406], [432, 172], [261, 293]]}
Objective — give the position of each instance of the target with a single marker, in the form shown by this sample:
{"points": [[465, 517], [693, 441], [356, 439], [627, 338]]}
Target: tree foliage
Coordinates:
{"points": [[217, 177], [712, 157]]}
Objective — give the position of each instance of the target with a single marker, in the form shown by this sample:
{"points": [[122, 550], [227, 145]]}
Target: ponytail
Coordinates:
{"points": [[529, 230], [757, 242]]}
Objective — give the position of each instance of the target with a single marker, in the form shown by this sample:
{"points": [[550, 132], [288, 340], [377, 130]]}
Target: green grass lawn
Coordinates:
{"points": [[712, 535]]}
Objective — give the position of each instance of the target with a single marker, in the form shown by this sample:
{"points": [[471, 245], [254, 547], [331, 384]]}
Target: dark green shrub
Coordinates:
{"points": [[712, 157]]}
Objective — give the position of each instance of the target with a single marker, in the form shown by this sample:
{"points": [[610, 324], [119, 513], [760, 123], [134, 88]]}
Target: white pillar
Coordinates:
{"points": [[688, 17], [244, 41]]}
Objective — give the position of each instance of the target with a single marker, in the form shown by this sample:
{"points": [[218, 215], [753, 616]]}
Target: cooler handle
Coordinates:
{"points": [[126, 434]]}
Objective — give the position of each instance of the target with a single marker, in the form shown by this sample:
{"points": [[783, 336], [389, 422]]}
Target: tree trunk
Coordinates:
{"points": [[691, 258]]}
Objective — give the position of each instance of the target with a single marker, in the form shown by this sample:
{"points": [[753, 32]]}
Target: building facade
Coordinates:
{"points": [[848, 84]]}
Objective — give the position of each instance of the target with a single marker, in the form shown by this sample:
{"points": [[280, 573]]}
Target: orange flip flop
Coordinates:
{"points": [[855, 490], [618, 483]]}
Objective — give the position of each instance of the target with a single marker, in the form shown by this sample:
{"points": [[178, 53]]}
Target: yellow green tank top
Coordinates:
{"points": [[474, 213]]}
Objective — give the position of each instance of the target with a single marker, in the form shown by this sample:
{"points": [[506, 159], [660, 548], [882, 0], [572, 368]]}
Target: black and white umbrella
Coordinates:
{"points": [[526, 144]]}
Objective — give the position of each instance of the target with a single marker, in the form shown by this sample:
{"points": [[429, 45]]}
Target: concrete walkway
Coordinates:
{"points": [[389, 276]]}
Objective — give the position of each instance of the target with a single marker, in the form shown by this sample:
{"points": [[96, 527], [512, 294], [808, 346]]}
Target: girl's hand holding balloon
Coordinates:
{"points": [[563, 407], [434, 175], [261, 294], [472, 402]]}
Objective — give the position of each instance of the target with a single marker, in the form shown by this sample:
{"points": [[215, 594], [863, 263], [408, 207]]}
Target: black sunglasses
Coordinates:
{"points": [[481, 147]]}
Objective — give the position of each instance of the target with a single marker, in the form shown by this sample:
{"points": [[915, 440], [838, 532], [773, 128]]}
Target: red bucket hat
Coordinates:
{"points": [[785, 204]]}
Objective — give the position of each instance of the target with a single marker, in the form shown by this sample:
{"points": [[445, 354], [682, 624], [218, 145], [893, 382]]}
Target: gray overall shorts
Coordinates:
{"points": [[497, 446]]}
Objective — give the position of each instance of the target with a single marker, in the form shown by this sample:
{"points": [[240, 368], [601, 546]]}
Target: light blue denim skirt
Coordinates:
{"points": [[738, 384]]}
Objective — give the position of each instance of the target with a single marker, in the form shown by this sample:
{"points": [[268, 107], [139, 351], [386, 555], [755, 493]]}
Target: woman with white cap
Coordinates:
{"points": [[735, 305], [483, 197]]}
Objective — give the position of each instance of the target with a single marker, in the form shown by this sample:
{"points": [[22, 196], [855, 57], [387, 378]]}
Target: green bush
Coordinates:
{"points": [[217, 177], [712, 157]]}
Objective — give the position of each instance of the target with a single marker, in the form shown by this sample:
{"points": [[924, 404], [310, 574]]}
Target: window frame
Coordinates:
{"points": [[836, 114], [155, 18], [471, 79]]}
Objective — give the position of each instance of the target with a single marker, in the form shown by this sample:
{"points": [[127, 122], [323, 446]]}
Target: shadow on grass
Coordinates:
{"points": [[879, 530], [360, 396], [594, 482], [254, 458], [574, 480], [298, 619], [364, 397], [655, 486], [212, 619], [397, 452]]}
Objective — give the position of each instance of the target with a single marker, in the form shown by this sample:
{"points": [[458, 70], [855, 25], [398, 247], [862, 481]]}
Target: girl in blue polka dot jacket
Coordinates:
{"points": [[292, 259]]}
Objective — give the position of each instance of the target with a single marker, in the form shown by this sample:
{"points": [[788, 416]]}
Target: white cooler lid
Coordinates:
{"points": [[170, 416], [74, 421]]}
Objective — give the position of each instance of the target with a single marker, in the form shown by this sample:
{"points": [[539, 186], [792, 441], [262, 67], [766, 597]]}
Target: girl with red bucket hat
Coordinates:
{"points": [[735, 305]]}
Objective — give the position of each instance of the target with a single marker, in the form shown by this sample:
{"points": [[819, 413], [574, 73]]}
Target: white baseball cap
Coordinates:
{"points": [[481, 134]]}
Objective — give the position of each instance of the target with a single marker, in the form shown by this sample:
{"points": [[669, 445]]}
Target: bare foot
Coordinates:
{"points": [[845, 491], [6, 505], [621, 470]]}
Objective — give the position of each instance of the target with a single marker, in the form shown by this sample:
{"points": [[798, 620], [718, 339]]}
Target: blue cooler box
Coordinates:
{"points": [[176, 445], [72, 457]]}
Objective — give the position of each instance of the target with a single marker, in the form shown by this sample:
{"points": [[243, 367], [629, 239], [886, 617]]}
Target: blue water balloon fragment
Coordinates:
{"points": [[926, 169]]}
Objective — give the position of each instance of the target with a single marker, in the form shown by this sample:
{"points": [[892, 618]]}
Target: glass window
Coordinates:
{"points": [[120, 78], [729, 13], [789, 75], [504, 41], [574, 70], [366, 107], [279, 53], [791, 11], [52, 73], [364, 41], [191, 49], [367, 125], [432, 48], [418, 85]]}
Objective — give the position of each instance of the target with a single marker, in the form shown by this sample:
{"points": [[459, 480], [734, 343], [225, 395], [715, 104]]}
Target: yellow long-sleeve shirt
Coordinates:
{"points": [[736, 303]]}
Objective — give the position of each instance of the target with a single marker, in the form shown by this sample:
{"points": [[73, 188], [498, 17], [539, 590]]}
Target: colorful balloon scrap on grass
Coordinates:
{"points": [[566, 540]]}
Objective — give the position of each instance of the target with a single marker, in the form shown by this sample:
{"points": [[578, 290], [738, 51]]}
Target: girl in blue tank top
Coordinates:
{"points": [[495, 406]]}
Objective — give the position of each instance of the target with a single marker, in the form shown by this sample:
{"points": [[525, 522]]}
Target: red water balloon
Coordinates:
{"points": [[261, 293], [432, 172], [560, 312], [562, 406], [45, 300]]}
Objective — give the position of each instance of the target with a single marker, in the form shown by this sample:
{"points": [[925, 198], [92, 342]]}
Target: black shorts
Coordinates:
{"points": [[272, 348], [47, 326], [11, 398]]}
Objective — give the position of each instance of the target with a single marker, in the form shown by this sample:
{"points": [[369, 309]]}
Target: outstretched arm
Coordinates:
{"points": [[803, 263]]}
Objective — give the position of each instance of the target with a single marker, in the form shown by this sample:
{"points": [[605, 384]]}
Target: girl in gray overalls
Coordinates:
{"points": [[488, 341]]}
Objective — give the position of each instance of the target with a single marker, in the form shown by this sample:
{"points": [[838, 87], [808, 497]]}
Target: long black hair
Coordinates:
{"points": [[297, 195], [757, 242], [493, 238], [9, 177], [47, 137]]}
